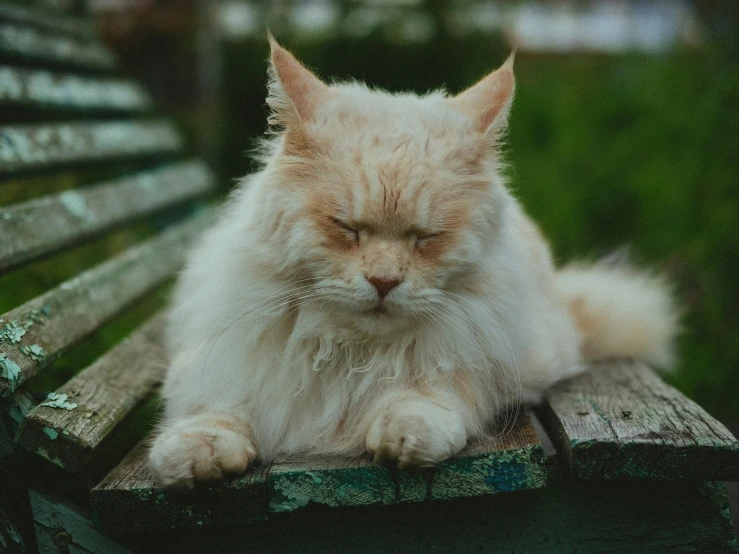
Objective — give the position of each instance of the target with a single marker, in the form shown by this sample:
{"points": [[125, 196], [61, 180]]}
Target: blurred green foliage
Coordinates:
{"points": [[604, 151], [643, 151]]}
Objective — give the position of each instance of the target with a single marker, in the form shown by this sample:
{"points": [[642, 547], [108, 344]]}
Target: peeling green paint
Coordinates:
{"points": [[349, 486], [51, 433], [59, 401], [10, 371], [34, 352], [13, 332]]}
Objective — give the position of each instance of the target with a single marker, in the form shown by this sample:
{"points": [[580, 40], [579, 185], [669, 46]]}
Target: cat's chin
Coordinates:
{"points": [[380, 321]]}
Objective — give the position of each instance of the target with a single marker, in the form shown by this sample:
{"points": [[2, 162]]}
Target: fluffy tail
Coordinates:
{"points": [[621, 312]]}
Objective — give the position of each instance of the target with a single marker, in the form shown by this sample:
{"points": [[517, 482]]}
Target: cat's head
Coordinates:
{"points": [[387, 201]]}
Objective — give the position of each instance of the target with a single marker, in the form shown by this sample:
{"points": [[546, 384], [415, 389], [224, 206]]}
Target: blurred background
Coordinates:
{"points": [[624, 131]]}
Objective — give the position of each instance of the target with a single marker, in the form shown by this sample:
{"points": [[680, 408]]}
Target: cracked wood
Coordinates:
{"points": [[105, 393], [620, 420]]}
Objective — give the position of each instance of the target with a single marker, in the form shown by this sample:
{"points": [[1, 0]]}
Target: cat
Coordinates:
{"points": [[376, 287]]}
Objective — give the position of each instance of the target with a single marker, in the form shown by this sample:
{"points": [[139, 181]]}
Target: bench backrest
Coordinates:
{"points": [[81, 157]]}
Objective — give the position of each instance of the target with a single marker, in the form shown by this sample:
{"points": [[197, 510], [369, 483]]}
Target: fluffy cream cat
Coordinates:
{"points": [[377, 287]]}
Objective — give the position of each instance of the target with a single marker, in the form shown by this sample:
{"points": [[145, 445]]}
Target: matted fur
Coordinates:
{"points": [[279, 341]]}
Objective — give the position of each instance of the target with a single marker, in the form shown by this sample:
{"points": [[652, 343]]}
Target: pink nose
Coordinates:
{"points": [[383, 286]]}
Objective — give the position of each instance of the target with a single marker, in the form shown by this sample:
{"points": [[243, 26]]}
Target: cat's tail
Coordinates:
{"points": [[621, 312]]}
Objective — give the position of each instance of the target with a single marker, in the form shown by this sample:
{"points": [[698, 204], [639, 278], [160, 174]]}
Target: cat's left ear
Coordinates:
{"points": [[294, 93], [488, 102]]}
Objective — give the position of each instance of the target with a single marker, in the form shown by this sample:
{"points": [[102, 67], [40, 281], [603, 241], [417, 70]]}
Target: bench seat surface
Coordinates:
{"points": [[492, 465]]}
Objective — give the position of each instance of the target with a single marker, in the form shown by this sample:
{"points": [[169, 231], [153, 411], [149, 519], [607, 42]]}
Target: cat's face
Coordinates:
{"points": [[394, 195]]}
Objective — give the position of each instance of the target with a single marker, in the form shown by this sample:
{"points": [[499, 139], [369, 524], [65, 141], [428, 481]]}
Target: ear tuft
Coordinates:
{"points": [[294, 92], [488, 102]]}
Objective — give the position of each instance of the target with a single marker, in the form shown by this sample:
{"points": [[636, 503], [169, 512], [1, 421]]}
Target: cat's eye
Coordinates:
{"points": [[423, 240], [352, 233]]}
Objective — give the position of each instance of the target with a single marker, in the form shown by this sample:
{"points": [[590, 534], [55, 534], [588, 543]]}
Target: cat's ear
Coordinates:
{"points": [[488, 102], [294, 92]]}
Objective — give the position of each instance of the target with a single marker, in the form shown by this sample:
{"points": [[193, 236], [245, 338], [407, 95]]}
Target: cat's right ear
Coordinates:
{"points": [[294, 92], [488, 102]]}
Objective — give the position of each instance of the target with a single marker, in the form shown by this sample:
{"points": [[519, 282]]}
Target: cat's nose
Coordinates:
{"points": [[383, 286]]}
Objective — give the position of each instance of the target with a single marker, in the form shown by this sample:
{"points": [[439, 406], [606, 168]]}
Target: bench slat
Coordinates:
{"points": [[512, 462], [38, 332], [105, 393], [45, 225], [33, 147], [73, 26], [20, 87], [38, 45], [128, 494], [493, 464], [620, 420]]}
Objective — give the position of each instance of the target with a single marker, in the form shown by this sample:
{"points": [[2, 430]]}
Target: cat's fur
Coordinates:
{"points": [[280, 343]]}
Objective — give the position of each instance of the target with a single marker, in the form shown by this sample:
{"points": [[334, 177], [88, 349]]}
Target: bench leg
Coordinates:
{"points": [[62, 527]]}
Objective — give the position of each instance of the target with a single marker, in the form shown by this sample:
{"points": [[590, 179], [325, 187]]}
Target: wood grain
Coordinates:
{"points": [[39, 88], [39, 331], [105, 393], [40, 146], [45, 225], [620, 420], [509, 463], [30, 43]]}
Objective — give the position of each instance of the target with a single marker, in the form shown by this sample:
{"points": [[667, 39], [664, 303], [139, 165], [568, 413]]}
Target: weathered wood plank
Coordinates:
{"points": [[38, 88], [507, 462], [583, 517], [104, 394], [45, 225], [128, 495], [38, 332], [64, 527], [39, 45], [296, 481], [74, 26], [32, 147], [511, 462], [620, 420]]}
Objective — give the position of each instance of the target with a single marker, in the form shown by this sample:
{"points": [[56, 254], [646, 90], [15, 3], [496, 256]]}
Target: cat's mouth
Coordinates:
{"points": [[380, 309]]}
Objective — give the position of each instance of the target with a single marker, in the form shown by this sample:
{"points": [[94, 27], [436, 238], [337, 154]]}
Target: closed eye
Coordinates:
{"points": [[423, 240], [352, 233]]}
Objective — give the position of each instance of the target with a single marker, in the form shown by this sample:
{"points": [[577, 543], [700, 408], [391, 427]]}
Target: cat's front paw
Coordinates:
{"points": [[201, 448], [416, 433]]}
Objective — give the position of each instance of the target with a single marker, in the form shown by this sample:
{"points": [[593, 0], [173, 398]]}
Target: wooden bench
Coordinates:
{"points": [[635, 465]]}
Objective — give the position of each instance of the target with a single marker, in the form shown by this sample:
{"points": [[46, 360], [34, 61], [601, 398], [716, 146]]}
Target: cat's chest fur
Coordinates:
{"points": [[319, 381]]}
